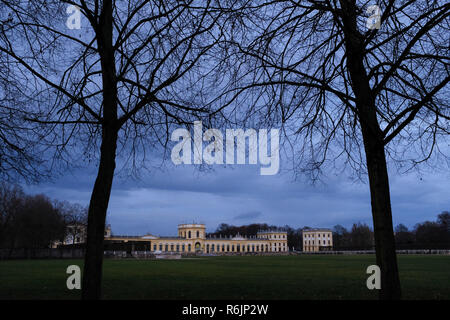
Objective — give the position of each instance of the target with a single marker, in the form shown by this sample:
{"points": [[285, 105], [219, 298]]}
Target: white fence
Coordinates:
{"points": [[421, 251]]}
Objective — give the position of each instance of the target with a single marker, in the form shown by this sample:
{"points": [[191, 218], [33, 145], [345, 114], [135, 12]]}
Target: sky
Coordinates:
{"points": [[159, 200]]}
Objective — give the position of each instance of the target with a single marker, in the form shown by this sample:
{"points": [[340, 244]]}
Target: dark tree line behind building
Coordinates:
{"points": [[425, 235], [34, 221]]}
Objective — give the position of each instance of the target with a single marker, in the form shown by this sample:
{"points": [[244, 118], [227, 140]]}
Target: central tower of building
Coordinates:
{"points": [[192, 231]]}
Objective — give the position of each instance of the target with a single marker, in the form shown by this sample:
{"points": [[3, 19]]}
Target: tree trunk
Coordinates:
{"points": [[382, 217], [92, 274], [375, 155], [93, 261]]}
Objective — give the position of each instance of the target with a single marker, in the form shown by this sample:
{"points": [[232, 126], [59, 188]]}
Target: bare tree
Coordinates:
{"points": [[345, 92], [75, 218], [113, 87], [11, 204]]}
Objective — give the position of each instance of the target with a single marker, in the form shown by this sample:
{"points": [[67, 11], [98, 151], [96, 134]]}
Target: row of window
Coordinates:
{"points": [[318, 242], [311, 236], [220, 248], [189, 234], [280, 236]]}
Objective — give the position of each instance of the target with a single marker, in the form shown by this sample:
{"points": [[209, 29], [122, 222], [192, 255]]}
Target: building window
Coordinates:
{"points": [[160, 247], [189, 247], [189, 234], [198, 234]]}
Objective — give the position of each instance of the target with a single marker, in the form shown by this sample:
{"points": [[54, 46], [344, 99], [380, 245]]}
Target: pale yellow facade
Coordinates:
{"points": [[192, 239], [315, 240]]}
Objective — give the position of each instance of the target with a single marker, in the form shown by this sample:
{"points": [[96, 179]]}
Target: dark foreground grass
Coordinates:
{"points": [[277, 277]]}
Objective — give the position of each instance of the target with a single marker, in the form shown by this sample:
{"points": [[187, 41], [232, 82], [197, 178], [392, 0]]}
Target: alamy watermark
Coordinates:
{"points": [[74, 19], [235, 139], [74, 280], [374, 281], [374, 20]]}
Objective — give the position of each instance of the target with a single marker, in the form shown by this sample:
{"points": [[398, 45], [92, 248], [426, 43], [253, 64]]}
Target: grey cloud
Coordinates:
{"points": [[248, 215]]}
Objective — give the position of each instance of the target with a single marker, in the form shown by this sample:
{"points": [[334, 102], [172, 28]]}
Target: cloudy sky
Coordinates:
{"points": [[159, 200]]}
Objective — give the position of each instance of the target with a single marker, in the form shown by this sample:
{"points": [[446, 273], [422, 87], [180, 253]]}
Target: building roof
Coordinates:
{"points": [[272, 231], [316, 229]]}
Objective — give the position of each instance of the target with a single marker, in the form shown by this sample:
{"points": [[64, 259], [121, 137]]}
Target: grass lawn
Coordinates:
{"points": [[253, 277]]}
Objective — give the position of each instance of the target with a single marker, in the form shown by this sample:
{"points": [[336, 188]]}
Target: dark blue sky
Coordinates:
{"points": [[238, 195]]}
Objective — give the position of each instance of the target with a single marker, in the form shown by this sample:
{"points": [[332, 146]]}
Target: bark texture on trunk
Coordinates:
{"points": [[98, 206], [93, 261], [382, 218], [375, 154]]}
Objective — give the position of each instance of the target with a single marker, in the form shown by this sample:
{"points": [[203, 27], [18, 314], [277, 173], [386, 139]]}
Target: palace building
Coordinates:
{"points": [[191, 238], [315, 240]]}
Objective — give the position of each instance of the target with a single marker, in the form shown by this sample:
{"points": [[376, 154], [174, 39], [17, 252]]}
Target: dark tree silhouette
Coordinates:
{"points": [[30, 222], [345, 93], [115, 86], [75, 218], [11, 204], [38, 223]]}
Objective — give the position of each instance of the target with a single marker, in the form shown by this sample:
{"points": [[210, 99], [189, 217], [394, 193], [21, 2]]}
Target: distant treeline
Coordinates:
{"points": [[34, 222], [425, 235]]}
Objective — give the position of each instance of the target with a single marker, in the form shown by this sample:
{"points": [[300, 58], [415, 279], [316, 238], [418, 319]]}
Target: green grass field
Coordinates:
{"points": [[256, 277]]}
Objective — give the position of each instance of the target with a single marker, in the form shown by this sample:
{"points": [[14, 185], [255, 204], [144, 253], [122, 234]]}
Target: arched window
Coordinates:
{"points": [[189, 234], [189, 246]]}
